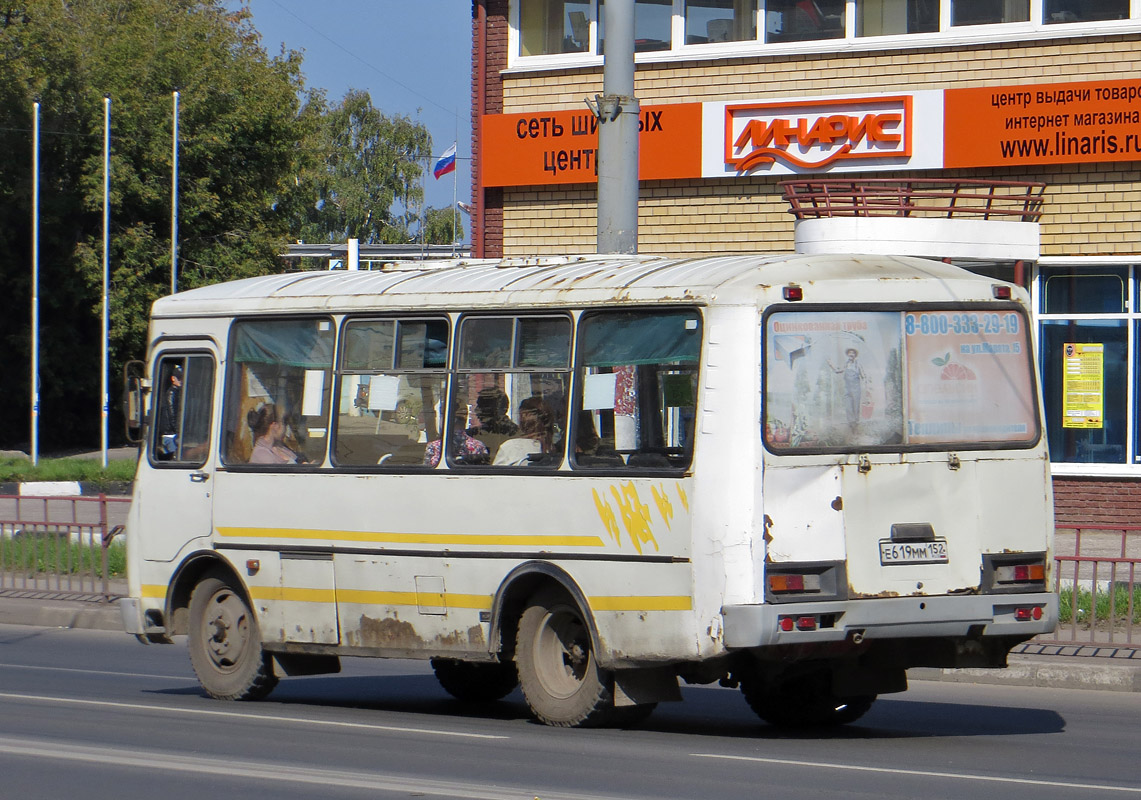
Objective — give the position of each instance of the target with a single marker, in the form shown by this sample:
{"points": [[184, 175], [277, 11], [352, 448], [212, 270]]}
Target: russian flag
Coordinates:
{"points": [[446, 164]]}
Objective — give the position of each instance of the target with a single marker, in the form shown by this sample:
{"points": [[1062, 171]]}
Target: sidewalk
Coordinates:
{"points": [[1058, 665]]}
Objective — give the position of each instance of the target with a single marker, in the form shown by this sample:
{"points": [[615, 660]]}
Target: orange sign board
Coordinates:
{"points": [[1058, 123], [558, 147], [812, 135]]}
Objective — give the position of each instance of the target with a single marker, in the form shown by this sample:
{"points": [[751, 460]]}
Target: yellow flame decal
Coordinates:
{"points": [[682, 496], [665, 507], [606, 514], [635, 515]]}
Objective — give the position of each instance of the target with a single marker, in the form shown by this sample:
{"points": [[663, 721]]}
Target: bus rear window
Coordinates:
{"points": [[837, 381]]}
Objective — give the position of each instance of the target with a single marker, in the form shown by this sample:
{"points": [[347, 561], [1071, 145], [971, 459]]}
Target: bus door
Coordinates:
{"points": [[176, 486]]}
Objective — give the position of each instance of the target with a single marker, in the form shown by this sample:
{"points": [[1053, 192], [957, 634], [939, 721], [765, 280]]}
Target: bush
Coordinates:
{"points": [[1119, 594], [14, 470]]}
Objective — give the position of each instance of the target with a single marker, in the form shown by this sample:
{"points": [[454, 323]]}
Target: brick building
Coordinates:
{"points": [[740, 95]]}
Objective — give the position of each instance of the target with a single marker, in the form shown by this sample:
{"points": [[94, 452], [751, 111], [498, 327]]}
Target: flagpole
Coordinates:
{"points": [[455, 181], [106, 268], [174, 198], [35, 447]]}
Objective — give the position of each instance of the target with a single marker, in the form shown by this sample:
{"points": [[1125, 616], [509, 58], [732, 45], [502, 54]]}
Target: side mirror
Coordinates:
{"points": [[135, 386]]}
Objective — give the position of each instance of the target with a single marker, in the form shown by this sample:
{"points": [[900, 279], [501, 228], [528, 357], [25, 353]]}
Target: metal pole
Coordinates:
{"points": [[106, 269], [174, 202], [35, 284], [455, 182], [618, 110]]}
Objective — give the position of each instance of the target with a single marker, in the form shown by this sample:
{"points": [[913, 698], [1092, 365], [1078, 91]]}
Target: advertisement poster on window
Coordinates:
{"points": [[1083, 385], [968, 378], [833, 380]]}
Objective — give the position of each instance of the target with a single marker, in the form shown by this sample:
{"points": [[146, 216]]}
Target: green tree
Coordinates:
{"points": [[242, 121], [361, 176], [442, 226]]}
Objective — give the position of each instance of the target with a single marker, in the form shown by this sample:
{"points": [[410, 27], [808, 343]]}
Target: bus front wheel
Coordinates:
{"points": [[225, 643], [558, 673]]}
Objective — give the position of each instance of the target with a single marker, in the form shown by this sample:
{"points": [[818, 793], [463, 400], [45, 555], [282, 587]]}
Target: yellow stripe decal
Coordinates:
{"points": [[650, 603], [478, 602], [411, 538], [294, 594]]}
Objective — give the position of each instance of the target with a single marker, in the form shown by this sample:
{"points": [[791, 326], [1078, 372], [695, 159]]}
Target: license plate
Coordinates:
{"points": [[892, 552]]}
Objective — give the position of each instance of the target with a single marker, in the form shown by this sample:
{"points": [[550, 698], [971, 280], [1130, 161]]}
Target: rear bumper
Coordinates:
{"points": [[890, 618]]}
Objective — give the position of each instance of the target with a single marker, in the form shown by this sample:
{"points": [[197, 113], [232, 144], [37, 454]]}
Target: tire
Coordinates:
{"points": [[804, 703], [560, 678], [475, 682], [225, 642]]}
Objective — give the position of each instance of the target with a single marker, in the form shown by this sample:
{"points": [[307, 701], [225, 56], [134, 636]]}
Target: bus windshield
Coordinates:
{"points": [[909, 379]]}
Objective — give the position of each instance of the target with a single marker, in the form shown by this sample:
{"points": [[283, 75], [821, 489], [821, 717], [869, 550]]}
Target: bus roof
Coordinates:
{"points": [[584, 281]]}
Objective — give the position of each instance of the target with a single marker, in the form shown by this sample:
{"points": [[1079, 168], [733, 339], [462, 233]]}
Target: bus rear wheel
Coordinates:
{"points": [[804, 703], [558, 673], [475, 683], [225, 642]]}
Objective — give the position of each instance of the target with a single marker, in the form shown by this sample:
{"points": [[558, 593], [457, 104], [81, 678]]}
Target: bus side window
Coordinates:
{"points": [[638, 398], [183, 404], [279, 372], [392, 375], [509, 404]]}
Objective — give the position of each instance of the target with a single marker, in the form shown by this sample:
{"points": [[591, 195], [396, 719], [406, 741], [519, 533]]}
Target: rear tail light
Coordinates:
{"points": [[803, 623], [1020, 573], [783, 584], [1028, 613]]}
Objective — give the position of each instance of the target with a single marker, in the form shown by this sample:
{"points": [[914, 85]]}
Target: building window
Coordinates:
{"points": [[891, 17], [1089, 359], [1085, 10], [989, 12], [547, 27], [711, 21], [653, 25], [803, 20], [570, 29]]}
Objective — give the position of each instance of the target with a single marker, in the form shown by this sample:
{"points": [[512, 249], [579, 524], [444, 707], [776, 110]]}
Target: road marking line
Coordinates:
{"points": [[234, 715], [99, 672], [273, 771], [924, 773]]}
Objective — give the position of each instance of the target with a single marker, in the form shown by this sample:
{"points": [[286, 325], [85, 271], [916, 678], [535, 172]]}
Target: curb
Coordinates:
{"points": [[81, 614], [1066, 672]]}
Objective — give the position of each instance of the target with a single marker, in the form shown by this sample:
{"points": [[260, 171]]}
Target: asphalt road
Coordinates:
{"points": [[94, 714]]}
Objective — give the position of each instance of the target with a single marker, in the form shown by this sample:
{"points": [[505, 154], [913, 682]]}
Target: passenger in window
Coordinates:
{"points": [[168, 415], [268, 432], [463, 448], [491, 414], [536, 431]]}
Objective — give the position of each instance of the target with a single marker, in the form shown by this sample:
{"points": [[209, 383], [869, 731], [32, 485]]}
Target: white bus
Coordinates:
{"points": [[594, 477]]}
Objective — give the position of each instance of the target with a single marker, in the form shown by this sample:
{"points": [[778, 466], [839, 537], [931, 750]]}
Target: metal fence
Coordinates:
{"points": [[61, 547], [1097, 569]]}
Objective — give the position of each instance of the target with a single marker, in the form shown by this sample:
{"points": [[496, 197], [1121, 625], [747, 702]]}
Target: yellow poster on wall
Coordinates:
{"points": [[1083, 385]]}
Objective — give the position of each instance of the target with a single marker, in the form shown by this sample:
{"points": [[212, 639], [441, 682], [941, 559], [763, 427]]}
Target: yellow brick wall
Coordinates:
{"points": [[1090, 209]]}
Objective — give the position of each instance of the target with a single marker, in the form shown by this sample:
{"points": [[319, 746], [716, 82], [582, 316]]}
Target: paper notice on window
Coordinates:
{"points": [[598, 391], [313, 393], [1083, 385], [383, 392]]}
